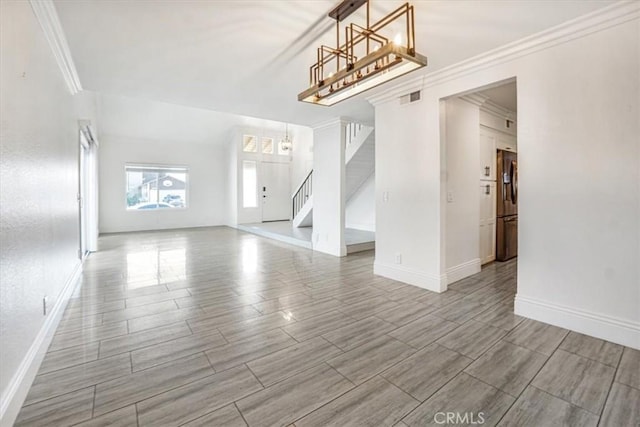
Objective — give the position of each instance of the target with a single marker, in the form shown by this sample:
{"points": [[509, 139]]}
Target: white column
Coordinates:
{"points": [[329, 188]]}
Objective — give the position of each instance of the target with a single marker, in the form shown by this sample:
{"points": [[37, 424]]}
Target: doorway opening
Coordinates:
{"points": [[480, 142], [87, 192]]}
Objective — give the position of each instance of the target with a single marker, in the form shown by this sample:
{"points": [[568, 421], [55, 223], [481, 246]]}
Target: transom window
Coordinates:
{"points": [[249, 144], [267, 145], [151, 187]]}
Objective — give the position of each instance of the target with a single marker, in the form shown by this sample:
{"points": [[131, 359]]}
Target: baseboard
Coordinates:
{"points": [[126, 230], [360, 247], [463, 270], [597, 325], [334, 250], [361, 226], [411, 276], [18, 387]]}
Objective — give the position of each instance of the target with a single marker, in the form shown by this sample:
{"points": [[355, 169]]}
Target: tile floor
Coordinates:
{"points": [[217, 327], [284, 231]]}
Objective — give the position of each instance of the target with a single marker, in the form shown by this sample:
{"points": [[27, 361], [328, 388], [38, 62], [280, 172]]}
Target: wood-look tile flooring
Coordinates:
{"points": [[216, 327]]}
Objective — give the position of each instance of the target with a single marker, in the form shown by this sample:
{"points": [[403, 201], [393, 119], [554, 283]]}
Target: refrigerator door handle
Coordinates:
{"points": [[513, 175]]}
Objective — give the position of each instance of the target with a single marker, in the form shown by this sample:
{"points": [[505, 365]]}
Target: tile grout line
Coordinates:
{"points": [[135, 405], [355, 386], [473, 361], [234, 403], [529, 384], [93, 404], [590, 358], [613, 379], [246, 365]]}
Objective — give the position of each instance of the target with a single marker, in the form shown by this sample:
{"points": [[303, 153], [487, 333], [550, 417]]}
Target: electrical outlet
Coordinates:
{"points": [[450, 196], [398, 258], [45, 299]]}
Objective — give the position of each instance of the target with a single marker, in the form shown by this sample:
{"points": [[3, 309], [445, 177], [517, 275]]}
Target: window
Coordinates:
{"points": [[267, 145], [156, 187], [249, 144], [249, 184]]}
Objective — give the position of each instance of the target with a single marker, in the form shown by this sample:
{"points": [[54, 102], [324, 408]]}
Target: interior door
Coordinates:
{"points": [[276, 197]]}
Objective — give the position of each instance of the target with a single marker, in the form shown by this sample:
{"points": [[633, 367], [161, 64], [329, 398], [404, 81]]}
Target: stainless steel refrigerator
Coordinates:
{"points": [[507, 209]]}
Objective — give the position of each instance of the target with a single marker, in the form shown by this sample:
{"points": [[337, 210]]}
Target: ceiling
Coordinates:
{"points": [[152, 121], [252, 57], [504, 96]]}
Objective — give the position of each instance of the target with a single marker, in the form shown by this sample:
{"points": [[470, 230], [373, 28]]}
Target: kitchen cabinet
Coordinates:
{"points": [[488, 147], [506, 142], [487, 221]]}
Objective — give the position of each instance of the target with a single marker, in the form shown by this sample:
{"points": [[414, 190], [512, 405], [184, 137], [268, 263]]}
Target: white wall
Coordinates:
{"points": [[329, 189], [462, 148], [301, 155], [38, 209], [232, 189], [207, 183], [579, 151], [360, 212], [579, 168], [408, 192]]}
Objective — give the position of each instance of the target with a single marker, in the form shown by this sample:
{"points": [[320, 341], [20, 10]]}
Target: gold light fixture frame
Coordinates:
{"points": [[383, 61]]}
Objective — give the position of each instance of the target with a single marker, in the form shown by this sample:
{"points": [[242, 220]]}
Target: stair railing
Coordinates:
{"points": [[302, 195], [351, 132], [305, 190]]}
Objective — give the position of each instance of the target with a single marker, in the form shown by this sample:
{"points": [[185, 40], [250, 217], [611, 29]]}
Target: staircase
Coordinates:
{"points": [[359, 164]]}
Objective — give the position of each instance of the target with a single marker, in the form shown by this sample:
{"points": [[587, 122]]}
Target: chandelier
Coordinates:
{"points": [[285, 143], [366, 59]]}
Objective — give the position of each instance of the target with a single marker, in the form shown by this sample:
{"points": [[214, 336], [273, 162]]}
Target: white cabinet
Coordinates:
{"points": [[487, 221], [506, 142], [488, 144], [491, 140]]}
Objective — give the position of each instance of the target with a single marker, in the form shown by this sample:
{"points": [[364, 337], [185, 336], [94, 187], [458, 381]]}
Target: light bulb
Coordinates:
{"points": [[398, 39], [376, 47]]}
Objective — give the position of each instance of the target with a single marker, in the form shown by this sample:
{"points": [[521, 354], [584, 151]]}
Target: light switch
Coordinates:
{"points": [[449, 196]]}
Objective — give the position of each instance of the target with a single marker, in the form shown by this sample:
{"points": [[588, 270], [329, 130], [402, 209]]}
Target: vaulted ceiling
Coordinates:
{"points": [[252, 57]]}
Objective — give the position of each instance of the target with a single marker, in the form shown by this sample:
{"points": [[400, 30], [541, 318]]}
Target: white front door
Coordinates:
{"points": [[276, 188]]}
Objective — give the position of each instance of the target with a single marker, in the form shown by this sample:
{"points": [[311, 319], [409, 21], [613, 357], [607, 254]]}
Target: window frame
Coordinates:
{"points": [[256, 198], [273, 144], [257, 144], [157, 166]]}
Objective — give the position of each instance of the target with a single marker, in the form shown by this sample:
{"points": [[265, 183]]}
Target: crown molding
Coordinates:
{"points": [[399, 89], [489, 106], [610, 16], [475, 99], [331, 122], [47, 17], [497, 110]]}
